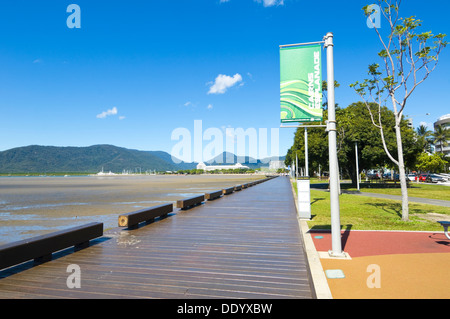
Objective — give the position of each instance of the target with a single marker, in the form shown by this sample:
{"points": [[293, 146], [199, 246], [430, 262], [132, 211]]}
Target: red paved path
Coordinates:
{"points": [[412, 265], [371, 243]]}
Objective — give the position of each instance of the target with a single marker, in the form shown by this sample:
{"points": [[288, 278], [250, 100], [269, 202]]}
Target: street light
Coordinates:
{"points": [[357, 166]]}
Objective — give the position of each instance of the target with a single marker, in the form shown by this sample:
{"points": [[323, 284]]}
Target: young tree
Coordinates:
{"points": [[431, 163], [408, 58], [354, 126]]}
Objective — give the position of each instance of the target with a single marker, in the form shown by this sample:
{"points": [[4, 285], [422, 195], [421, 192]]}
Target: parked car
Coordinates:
{"points": [[412, 177], [423, 177], [434, 179], [389, 176]]}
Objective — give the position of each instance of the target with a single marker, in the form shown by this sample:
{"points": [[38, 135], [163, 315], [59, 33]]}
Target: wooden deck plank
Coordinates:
{"points": [[179, 278], [246, 245], [226, 260], [150, 280], [142, 284]]}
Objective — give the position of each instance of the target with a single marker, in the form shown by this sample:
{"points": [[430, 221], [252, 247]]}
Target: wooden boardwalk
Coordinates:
{"points": [[243, 245]]}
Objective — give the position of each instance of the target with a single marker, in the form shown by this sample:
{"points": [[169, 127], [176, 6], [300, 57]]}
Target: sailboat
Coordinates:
{"points": [[103, 173]]}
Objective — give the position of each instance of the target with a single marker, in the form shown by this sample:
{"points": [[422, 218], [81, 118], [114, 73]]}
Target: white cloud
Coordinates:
{"points": [[270, 3], [209, 107], [104, 114], [266, 3], [223, 82], [121, 117], [187, 103], [428, 125]]}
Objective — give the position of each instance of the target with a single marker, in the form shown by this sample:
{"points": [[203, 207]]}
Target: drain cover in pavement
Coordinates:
{"points": [[334, 273]]}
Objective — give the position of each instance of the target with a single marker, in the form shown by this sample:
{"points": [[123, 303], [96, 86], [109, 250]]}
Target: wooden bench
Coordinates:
{"points": [[445, 224], [213, 195], [190, 202], [40, 248], [228, 191], [132, 220]]}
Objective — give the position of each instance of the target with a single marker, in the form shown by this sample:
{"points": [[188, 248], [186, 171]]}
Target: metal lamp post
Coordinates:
{"points": [[336, 250], [336, 245], [357, 165]]}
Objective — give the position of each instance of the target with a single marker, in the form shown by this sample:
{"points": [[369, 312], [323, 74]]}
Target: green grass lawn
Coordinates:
{"points": [[415, 190], [366, 213], [431, 191]]}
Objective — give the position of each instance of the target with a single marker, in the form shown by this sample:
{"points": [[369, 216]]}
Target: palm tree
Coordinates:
{"points": [[422, 130], [425, 137], [441, 136]]}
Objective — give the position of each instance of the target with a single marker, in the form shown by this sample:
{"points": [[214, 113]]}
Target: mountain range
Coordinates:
{"points": [[92, 159]]}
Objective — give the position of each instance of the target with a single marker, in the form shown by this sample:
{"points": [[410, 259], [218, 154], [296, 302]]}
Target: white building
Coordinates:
{"points": [[444, 122], [203, 166], [276, 165]]}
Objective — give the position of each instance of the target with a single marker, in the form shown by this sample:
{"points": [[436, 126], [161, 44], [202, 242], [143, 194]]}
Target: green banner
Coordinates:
{"points": [[301, 83]]}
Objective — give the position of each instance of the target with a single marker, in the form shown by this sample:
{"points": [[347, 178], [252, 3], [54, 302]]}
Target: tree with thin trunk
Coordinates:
{"points": [[408, 57]]}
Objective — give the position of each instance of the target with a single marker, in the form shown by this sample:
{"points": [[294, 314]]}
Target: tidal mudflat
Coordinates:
{"points": [[31, 206]]}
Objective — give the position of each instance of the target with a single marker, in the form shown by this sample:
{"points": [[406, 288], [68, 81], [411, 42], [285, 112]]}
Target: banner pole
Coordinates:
{"points": [[357, 168], [333, 162], [306, 153], [300, 44]]}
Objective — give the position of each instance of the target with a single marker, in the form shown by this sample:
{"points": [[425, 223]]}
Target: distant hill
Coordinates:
{"points": [[34, 158], [53, 159]]}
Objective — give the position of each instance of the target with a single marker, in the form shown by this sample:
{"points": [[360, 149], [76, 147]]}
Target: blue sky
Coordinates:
{"points": [[150, 66]]}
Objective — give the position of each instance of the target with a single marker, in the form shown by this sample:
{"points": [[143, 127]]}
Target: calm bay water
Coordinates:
{"points": [[31, 206]]}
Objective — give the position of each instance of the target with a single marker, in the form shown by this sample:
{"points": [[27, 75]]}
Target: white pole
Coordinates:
{"points": [[293, 170], [334, 174], [357, 167], [306, 153]]}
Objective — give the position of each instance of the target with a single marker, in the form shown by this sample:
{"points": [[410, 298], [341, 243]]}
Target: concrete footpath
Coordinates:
{"points": [[437, 202]]}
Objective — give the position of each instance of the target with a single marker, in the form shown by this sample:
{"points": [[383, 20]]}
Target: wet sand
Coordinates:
{"points": [[31, 206]]}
